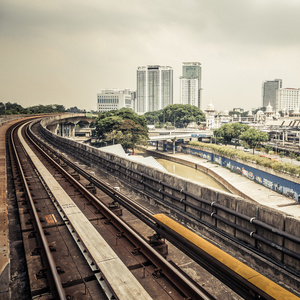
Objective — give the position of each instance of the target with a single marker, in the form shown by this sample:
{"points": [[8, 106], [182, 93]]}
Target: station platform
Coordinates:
{"points": [[249, 189]]}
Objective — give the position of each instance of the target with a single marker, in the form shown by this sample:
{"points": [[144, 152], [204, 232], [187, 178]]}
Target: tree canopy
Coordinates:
{"points": [[122, 126], [16, 109], [230, 131], [254, 137], [236, 131], [180, 115]]}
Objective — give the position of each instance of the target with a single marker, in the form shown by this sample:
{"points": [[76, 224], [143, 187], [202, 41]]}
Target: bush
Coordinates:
{"points": [[262, 161], [276, 166], [158, 125]]}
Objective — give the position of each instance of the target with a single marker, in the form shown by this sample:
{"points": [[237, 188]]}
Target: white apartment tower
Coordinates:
{"points": [[288, 99], [113, 99], [190, 84], [154, 88]]}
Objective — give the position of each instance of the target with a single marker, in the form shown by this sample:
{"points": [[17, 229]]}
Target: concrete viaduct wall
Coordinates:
{"points": [[194, 204], [282, 183]]}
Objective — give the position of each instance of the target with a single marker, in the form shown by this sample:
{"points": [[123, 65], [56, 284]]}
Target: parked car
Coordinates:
{"points": [[246, 150]]}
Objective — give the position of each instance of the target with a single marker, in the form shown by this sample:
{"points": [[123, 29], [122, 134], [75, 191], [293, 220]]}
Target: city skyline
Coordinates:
{"points": [[55, 53]]}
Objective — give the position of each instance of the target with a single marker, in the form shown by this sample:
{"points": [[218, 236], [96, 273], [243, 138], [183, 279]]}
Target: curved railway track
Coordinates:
{"points": [[100, 203], [61, 260]]}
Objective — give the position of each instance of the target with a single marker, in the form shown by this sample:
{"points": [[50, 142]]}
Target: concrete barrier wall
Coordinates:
{"points": [[279, 182], [192, 202]]}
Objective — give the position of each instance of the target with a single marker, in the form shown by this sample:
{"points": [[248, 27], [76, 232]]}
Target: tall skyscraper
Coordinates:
{"points": [[190, 84], [269, 91], [154, 88]]}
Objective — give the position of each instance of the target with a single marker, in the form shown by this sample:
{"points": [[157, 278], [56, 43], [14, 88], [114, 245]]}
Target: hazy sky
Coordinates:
{"points": [[65, 52]]}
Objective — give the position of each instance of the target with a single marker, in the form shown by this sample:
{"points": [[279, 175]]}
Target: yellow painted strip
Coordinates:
{"points": [[260, 281]]}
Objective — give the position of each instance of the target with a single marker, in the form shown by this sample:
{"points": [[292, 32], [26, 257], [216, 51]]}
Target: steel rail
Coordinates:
{"points": [[50, 260], [249, 219], [251, 233], [232, 282], [171, 272]]}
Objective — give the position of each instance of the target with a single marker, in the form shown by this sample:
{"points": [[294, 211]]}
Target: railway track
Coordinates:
{"points": [[62, 261], [157, 277]]}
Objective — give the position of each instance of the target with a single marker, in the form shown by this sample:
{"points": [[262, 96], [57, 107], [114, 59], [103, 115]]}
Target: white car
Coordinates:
{"points": [[246, 150]]}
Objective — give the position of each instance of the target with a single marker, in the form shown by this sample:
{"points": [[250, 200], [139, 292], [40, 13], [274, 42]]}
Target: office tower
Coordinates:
{"points": [[288, 99], [154, 88], [113, 99], [190, 84], [269, 91]]}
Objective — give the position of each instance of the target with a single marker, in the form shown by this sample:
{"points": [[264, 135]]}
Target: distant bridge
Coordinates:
{"points": [[171, 135]]}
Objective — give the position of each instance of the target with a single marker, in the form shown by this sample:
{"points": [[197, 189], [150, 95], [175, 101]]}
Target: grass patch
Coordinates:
{"points": [[254, 158]]}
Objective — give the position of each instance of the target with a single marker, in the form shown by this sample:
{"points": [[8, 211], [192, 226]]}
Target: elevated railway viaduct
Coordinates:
{"points": [[255, 233], [267, 241]]}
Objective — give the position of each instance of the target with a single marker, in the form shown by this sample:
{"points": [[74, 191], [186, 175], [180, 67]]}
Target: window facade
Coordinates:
{"points": [[154, 88], [114, 99]]}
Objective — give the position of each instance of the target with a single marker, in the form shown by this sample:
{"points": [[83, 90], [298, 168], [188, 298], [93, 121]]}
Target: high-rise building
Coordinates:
{"points": [[190, 84], [154, 88], [113, 99], [269, 91], [288, 99]]}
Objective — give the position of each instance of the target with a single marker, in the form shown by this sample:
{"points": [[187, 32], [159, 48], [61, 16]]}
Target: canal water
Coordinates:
{"points": [[187, 172], [190, 173]]}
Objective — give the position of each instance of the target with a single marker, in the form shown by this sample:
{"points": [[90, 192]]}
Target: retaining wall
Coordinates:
{"points": [[284, 184], [193, 203]]}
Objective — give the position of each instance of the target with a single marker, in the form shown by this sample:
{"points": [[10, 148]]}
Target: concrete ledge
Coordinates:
{"points": [[172, 196]]}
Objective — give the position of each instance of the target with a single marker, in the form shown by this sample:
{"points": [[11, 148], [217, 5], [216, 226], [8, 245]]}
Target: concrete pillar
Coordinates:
{"points": [[173, 144], [72, 130], [156, 145], [165, 146], [63, 129]]}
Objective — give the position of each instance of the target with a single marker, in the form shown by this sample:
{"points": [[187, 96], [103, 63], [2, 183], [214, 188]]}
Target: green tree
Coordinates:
{"points": [[180, 115], [152, 117], [16, 109], [128, 133], [229, 132], [104, 125], [238, 129], [122, 126], [11, 109], [254, 137], [225, 133], [124, 113]]}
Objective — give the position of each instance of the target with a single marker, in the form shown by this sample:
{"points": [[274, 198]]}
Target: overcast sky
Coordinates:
{"points": [[65, 52]]}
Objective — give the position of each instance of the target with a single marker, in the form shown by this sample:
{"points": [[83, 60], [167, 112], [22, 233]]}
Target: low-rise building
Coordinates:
{"points": [[113, 99]]}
